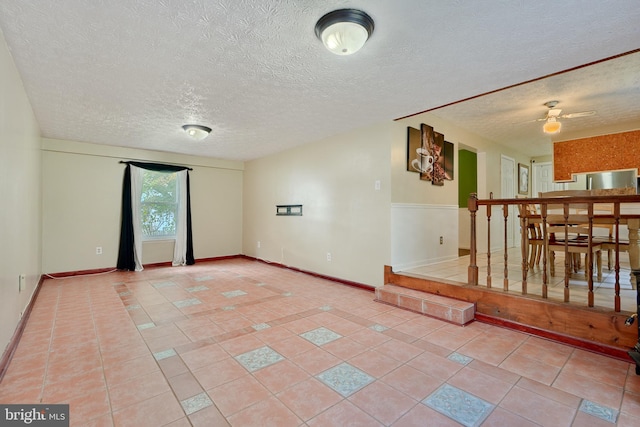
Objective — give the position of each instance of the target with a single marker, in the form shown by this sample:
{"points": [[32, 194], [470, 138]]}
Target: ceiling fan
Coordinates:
{"points": [[552, 125]]}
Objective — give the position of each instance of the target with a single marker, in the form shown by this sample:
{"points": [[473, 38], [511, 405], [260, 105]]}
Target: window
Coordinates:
{"points": [[159, 205]]}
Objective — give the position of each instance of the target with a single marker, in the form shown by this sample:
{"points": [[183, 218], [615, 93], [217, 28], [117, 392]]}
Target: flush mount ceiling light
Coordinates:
{"points": [[197, 132], [344, 31], [551, 126]]}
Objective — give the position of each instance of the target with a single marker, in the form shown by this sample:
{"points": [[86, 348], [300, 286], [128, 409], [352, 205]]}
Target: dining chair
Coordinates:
{"points": [[576, 240], [578, 236], [606, 239], [533, 232]]}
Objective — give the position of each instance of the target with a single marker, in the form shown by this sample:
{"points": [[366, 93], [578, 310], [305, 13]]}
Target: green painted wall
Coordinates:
{"points": [[467, 176]]}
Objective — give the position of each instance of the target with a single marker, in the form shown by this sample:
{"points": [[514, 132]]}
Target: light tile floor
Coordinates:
{"points": [[242, 343]]}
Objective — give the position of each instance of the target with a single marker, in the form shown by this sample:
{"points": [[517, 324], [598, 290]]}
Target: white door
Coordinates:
{"points": [[543, 179], [508, 188]]}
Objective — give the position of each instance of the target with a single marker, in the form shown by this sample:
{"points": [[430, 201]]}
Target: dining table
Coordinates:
{"points": [[628, 218]]}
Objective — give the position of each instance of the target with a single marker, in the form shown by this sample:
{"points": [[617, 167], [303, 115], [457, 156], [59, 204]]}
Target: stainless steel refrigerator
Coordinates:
{"points": [[615, 179]]}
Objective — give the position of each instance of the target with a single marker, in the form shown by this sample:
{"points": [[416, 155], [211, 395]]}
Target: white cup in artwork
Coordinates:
{"points": [[424, 161]]}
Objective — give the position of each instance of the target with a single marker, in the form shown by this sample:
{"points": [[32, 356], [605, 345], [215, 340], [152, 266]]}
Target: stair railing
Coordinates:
{"points": [[626, 212]]}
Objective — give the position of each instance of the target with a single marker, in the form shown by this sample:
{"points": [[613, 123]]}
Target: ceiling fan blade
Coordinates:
{"points": [[581, 114], [529, 121]]}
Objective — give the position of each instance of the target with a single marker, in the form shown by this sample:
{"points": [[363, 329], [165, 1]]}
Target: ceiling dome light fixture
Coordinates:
{"points": [[551, 126], [344, 31], [197, 132]]}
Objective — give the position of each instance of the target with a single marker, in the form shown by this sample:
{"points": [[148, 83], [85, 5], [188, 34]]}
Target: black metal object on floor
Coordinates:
{"points": [[635, 352]]}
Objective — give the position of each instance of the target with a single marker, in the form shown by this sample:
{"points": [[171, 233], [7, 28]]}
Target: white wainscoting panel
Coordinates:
{"points": [[497, 229], [464, 228], [416, 231]]}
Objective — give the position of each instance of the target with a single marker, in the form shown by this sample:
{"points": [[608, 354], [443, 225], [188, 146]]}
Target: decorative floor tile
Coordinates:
{"points": [[187, 302], [345, 379], [460, 358], [203, 278], [197, 288], [259, 358], [163, 285], [165, 354], [320, 336], [195, 403], [260, 326], [206, 364], [459, 405], [232, 294], [597, 410], [146, 326]]}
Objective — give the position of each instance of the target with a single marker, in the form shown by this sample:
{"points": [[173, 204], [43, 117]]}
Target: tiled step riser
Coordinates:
{"points": [[450, 310]]}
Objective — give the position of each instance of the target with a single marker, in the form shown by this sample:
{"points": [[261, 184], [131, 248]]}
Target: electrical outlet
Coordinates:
{"points": [[377, 185], [441, 240], [258, 244], [328, 256], [98, 250], [22, 282]]}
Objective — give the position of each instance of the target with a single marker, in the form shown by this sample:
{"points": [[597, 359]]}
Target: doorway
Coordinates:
{"points": [[543, 179], [467, 184]]}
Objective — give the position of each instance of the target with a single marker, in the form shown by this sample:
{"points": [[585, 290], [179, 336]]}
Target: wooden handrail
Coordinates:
{"points": [[635, 198]]}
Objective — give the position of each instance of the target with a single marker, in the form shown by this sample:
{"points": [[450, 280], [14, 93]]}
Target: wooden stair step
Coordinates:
{"points": [[444, 308]]}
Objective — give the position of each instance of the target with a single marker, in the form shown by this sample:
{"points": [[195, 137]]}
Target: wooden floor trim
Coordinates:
{"points": [[318, 275], [7, 355]]}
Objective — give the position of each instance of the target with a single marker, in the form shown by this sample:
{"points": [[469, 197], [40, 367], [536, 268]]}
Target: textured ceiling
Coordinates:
{"points": [[130, 73], [512, 116]]}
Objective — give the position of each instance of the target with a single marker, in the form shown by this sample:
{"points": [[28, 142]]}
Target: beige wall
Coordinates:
{"points": [[489, 177], [407, 187], [64, 201], [20, 190], [344, 214], [82, 193]]}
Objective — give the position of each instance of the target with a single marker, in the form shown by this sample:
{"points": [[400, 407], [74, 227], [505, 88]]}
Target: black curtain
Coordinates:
{"points": [[126, 257]]}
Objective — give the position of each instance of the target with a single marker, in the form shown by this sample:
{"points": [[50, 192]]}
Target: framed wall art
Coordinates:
{"points": [[425, 152], [414, 143], [438, 159], [430, 155], [523, 179], [449, 150]]}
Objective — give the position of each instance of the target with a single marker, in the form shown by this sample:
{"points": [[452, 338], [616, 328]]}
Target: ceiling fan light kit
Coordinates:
{"points": [[197, 132], [344, 31], [552, 126]]}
